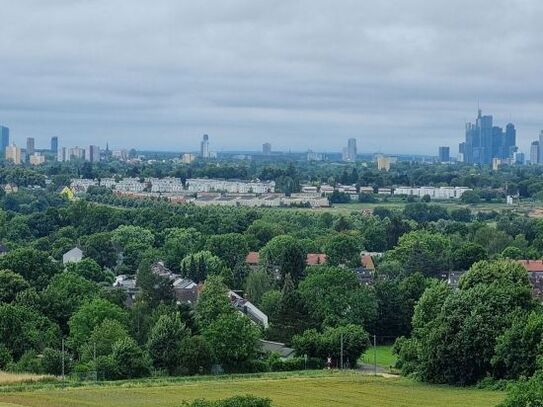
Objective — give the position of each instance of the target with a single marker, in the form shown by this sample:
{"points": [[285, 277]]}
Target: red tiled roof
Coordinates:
{"points": [[252, 258], [532, 265], [314, 259], [367, 262]]}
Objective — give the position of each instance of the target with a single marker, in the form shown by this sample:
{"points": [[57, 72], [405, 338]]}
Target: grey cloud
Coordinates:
{"points": [[400, 75]]}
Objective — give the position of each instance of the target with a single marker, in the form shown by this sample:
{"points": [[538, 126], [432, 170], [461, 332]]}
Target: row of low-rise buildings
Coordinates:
{"points": [[354, 191], [175, 185], [262, 200], [432, 192], [229, 186]]}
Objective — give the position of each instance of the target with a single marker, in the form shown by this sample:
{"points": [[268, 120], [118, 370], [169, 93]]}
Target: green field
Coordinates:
{"points": [[381, 354], [315, 390], [399, 205]]}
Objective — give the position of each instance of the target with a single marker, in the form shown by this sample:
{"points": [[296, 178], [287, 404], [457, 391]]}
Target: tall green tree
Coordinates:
{"points": [[23, 329], [36, 267], [213, 302], [422, 251], [291, 317], [65, 294], [197, 267], [165, 342], [334, 296], [233, 339], [256, 284], [232, 248], [343, 249], [89, 316], [130, 360], [284, 255], [455, 343], [10, 285], [179, 243]]}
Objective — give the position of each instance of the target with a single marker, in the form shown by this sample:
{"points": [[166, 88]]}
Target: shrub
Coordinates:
{"points": [[52, 362], [130, 359], [276, 364], [5, 357], [195, 355], [106, 368], [237, 401], [526, 393], [29, 363]]}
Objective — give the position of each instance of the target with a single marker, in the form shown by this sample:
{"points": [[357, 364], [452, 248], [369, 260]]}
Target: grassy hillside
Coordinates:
{"points": [[341, 389]]}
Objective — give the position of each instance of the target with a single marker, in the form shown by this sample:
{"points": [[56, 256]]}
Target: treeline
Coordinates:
{"points": [[488, 184]]}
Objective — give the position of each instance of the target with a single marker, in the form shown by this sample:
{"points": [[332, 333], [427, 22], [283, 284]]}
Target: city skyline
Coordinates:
{"points": [[248, 73]]}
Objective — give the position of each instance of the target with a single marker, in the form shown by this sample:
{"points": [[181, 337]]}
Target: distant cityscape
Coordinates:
{"points": [[484, 144]]}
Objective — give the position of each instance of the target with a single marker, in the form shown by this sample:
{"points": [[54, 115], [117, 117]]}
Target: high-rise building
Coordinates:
{"points": [[349, 153], [187, 158], [266, 148], [30, 146], [518, 158], [93, 154], [204, 147], [534, 152], [54, 144], [383, 162], [444, 154], [484, 141], [61, 155], [4, 138], [540, 160], [13, 154], [313, 156], [510, 141], [76, 153], [461, 151], [36, 159], [120, 154]]}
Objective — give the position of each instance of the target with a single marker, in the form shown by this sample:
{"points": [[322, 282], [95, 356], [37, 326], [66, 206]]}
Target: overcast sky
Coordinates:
{"points": [[400, 76]]}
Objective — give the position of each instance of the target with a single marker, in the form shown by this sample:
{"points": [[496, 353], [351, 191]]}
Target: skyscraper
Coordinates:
{"points": [[54, 144], [266, 148], [534, 152], [351, 148], [204, 147], [350, 152], [30, 146], [444, 154], [484, 141], [510, 141], [540, 161], [4, 138]]}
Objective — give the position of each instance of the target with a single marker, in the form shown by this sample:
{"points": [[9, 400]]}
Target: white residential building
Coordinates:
{"points": [[434, 193], [130, 185], [165, 185], [233, 187]]}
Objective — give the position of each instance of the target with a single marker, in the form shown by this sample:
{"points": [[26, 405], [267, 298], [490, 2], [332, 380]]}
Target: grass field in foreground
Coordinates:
{"points": [[15, 378], [336, 389], [383, 354]]}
